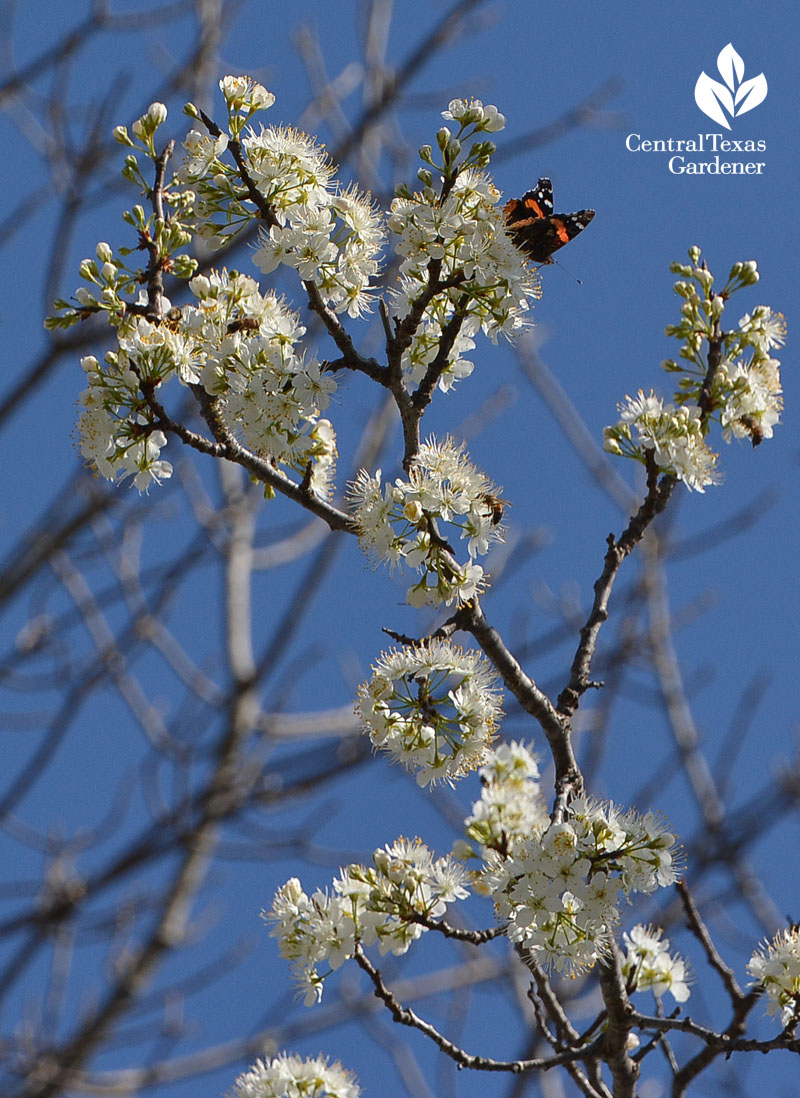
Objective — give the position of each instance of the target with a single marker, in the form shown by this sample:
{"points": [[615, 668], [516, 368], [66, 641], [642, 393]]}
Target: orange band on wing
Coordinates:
{"points": [[531, 205], [561, 230]]}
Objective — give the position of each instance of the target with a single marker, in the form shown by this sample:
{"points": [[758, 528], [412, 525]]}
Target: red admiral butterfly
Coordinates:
{"points": [[535, 229]]}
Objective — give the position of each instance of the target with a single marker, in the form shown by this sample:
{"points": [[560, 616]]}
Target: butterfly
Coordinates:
{"points": [[535, 229]]}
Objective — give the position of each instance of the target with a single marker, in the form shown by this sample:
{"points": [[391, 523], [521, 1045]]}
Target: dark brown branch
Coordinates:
{"points": [[533, 700], [474, 937], [407, 1017], [658, 494], [620, 1015], [700, 931]]}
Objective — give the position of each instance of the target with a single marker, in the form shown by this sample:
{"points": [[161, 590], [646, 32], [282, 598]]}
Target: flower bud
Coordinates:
{"points": [[750, 273], [103, 252], [157, 113], [493, 120]]}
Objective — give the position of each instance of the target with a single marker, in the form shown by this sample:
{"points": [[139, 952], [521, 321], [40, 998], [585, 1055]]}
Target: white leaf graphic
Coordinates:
{"points": [[730, 65], [750, 93], [708, 94]]}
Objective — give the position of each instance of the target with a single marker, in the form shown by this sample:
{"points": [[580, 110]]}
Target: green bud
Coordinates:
{"points": [[610, 444], [183, 266], [121, 135]]}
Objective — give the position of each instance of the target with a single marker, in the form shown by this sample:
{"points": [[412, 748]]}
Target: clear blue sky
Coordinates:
{"points": [[604, 338]]}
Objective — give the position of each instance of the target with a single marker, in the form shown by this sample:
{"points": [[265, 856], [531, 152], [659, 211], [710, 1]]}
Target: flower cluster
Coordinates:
{"points": [[329, 235], [748, 389], [461, 269], [460, 272], [511, 806], [776, 967], [648, 964], [266, 391], [725, 376], [672, 435], [293, 1077], [412, 521], [472, 116], [237, 343], [432, 707], [367, 905], [560, 890], [243, 98], [115, 425]]}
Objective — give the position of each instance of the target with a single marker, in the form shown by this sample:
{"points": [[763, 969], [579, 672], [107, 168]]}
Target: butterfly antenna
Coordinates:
{"points": [[558, 263]]}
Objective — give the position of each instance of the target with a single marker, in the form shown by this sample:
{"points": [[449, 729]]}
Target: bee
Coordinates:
{"points": [[173, 319], [495, 506], [243, 324], [754, 428]]}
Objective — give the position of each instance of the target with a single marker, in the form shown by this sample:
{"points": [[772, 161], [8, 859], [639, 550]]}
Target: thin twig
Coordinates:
{"points": [[407, 1017]]}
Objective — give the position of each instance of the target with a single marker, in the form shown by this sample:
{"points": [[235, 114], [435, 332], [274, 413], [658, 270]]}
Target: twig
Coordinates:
{"points": [[533, 700], [700, 931], [407, 1017]]}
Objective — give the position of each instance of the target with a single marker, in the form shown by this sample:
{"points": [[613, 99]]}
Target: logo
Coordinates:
{"points": [[733, 97], [535, 229]]}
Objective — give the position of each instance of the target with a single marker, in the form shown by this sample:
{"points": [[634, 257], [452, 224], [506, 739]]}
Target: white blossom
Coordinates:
{"points": [[753, 404], [775, 966], [202, 150], [649, 965], [485, 281], [764, 328], [473, 112], [367, 905], [511, 807], [672, 435], [445, 498], [245, 95], [432, 707], [560, 888], [287, 1076]]}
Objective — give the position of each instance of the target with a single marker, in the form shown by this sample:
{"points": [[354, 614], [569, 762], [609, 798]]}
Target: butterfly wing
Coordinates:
{"points": [[533, 205], [534, 228]]}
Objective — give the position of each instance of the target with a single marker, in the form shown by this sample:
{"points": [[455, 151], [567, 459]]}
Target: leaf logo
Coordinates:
{"points": [[736, 96]]}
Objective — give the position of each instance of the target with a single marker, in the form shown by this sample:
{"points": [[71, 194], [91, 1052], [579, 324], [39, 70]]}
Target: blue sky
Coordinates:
{"points": [[601, 338]]}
